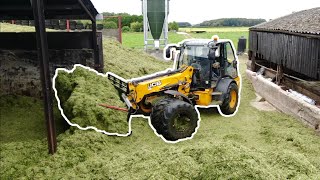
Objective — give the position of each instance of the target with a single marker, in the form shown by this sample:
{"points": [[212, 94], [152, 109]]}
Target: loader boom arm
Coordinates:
{"points": [[179, 80]]}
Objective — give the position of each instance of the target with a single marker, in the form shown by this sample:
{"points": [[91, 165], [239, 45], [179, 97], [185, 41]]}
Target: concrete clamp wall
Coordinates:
{"points": [[284, 101]]}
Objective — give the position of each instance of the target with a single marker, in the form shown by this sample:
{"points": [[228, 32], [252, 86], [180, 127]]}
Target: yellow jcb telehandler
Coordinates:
{"points": [[205, 74]]}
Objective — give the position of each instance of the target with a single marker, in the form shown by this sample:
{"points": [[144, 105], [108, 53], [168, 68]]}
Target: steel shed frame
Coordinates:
{"points": [[39, 10]]}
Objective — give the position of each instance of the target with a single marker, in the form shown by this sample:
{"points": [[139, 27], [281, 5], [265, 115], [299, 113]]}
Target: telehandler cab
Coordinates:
{"points": [[205, 74]]}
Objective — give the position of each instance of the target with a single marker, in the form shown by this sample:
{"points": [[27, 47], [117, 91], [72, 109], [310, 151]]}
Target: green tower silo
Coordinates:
{"points": [[155, 22], [156, 12]]}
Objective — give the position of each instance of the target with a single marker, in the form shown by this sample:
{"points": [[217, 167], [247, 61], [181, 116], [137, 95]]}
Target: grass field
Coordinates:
{"points": [[135, 40], [251, 145]]}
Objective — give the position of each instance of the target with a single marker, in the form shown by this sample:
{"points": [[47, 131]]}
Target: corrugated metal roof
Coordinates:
{"points": [[304, 22], [54, 9]]}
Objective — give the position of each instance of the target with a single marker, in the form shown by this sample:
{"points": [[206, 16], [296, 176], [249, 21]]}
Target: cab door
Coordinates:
{"points": [[229, 61]]}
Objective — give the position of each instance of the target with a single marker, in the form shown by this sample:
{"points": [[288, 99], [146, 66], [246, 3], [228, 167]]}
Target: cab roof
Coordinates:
{"points": [[201, 42]]}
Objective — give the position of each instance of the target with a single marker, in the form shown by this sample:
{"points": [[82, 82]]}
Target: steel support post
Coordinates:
{"points": [[145, 23], [43, 56]]}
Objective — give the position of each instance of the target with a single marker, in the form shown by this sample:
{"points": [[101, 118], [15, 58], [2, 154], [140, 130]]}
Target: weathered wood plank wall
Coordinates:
{"points": [[297, 53]]}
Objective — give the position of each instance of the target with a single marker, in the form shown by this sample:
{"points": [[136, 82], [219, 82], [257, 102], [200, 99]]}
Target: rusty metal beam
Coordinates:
{"points": [[120, 28], [43, 56]]}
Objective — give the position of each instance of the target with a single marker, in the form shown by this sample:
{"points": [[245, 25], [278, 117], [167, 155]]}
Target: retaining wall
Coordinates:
{"points": [[284, 101]]}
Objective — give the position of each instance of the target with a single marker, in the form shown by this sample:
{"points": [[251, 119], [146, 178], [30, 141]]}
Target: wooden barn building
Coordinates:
{"points": [[284, 64], [292, 42]]}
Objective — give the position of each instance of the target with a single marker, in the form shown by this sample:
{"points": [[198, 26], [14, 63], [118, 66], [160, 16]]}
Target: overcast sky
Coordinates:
{"points": [[200, 10]]}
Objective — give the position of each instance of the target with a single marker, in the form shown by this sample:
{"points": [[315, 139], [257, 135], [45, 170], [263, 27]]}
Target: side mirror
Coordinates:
{"points": [[168, 52]]}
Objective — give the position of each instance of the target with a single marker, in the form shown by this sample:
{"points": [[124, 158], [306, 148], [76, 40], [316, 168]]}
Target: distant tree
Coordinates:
{"points": [[135, 18], [110, 25], [126, 29], [115, 14], [184, 24], [127, 19], [122, 14], [108, 13], [136, 26], [173, 26]]}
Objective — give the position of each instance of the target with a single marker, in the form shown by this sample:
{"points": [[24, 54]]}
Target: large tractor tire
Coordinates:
{"points": [[231, 100], [174, 119]]}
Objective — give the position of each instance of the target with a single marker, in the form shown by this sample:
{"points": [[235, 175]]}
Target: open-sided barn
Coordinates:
{"points": [[14, 68], [292, 41]]}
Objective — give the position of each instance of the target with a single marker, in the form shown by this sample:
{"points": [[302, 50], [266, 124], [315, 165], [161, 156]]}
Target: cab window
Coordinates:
{"points": [[229, 54], [230, 70]]}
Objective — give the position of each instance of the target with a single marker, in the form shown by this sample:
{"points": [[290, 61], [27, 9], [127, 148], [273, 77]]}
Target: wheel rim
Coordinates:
{"points": [[233, 99], [181, 123]]}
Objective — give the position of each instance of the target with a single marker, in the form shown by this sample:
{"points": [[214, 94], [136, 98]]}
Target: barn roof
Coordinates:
{"points": [[303, 22], [54, 9]]}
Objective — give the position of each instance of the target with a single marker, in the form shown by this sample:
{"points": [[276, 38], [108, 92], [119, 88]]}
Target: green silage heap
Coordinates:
{"points": [[82, 91], [129, 63]]}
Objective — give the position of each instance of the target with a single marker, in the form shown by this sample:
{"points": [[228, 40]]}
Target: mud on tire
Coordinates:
{"points": [[174, 119]]}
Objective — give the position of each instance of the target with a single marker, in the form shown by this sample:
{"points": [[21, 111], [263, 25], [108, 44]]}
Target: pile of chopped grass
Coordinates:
{"points": [[130, 63], [6, 27], [91, 155], [13, 113], [22, 119], [80, 92], [250, 145]]}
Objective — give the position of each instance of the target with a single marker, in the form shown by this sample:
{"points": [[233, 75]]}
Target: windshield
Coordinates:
{"points": [[193, 54]]}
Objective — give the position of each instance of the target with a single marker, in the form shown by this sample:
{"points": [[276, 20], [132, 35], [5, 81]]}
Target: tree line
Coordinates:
{"points": [[129, 22], [237, 22], [135, 22]]}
